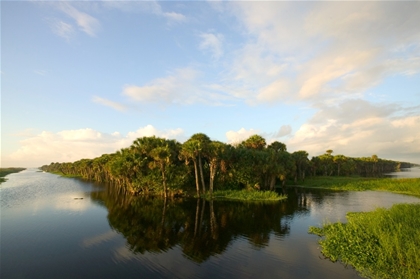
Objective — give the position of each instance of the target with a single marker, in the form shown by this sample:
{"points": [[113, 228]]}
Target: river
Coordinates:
{"points": [[56, 227]]}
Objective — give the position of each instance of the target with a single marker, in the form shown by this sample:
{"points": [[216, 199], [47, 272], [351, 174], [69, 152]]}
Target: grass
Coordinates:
{"points": [[379, 244], [246, 195], [409, 186], [65, 175], [6, 171]]}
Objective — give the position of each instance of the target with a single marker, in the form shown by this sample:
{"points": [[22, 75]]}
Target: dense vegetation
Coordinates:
{"points": [[379, 244], [167, 167], [6, 171], [246, 195], [408, 186]]}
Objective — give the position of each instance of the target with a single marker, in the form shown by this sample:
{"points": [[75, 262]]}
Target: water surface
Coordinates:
{"points": [[55, 227]]}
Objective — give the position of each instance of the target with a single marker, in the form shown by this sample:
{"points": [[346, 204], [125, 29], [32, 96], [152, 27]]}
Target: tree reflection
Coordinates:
{"points": [[200, 228]]}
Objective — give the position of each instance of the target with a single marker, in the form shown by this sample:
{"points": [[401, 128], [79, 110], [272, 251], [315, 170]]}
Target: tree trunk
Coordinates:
{"points": [[165, 190], [201, 173], [272, 182], [213, 167], [197, 185]]}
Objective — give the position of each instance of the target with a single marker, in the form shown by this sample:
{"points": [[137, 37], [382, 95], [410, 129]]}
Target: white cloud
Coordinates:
{"points": [[358, 128], [234, 137], [308, 50], [61, 28], [149, 131], [276, 90], [86, 22], [283, 131], [212, 43], [73, 145], [152, 7], [108, 103], [176, 88], [174, 16]]}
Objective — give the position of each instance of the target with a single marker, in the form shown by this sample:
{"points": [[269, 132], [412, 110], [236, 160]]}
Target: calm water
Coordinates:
{"points": [[54, 227]]}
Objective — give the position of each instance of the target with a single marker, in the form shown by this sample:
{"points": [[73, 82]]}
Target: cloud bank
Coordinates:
{"points": [[73, 145]]}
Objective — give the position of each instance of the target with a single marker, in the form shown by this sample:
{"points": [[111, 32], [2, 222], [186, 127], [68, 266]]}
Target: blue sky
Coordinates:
{"points": [[83, 78]]}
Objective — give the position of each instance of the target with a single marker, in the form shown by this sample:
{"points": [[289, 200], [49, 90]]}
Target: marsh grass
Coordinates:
{"points": [[6, 171], [246, 195], [409, 186], [379, 244], [65, 175]]}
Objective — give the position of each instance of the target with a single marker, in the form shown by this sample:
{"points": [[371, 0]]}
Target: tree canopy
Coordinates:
{"points": [[200, 165]]}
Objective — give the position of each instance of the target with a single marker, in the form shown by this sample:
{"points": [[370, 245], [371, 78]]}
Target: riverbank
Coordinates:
{"points": [[407, 186], [379, 244], [6, 171]]}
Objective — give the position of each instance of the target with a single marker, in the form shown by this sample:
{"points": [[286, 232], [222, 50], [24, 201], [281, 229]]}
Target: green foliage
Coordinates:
{"points": [[379, 244], [409, 186], [153, 165], [246, 195], [256, 142]]}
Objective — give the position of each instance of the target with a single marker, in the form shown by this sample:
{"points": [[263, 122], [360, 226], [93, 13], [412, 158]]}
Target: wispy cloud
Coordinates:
{"points": [[304, 51], [108, 103], [40, 72], [86, 22], [61, 28], [181, 87], [213, 43], [177, 88], [152, 7]]}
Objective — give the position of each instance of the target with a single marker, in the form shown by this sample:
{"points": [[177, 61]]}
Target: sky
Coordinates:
{"points": [[84, 78]]}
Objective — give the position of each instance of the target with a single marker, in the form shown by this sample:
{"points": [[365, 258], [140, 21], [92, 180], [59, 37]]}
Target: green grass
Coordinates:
{"points": [[65, 175], [409, 186], [246, 195], [6, 171], [379, 244]]}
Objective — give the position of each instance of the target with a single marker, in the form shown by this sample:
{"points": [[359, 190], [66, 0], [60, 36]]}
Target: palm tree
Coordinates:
{"points": [[201, 142], [301, 159], [215, 156], [189, 151], [339, 160], [254, 142], [162, 156]]}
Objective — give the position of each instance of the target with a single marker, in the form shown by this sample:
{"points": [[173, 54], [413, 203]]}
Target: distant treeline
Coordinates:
{"points": [[161, 166]]}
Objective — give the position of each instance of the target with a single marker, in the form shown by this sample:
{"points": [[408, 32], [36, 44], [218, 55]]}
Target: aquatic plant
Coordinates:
{"points": [[379, 244], [246, 195], [409, 186]]}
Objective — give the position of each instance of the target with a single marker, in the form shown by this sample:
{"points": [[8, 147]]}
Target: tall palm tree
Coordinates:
{"points": [[189, 151], [215, 156], [201, 143], [161, 156]]}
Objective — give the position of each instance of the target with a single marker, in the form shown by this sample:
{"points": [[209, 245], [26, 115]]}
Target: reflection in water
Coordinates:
{"points": [[201, 228], [47, 233]]}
